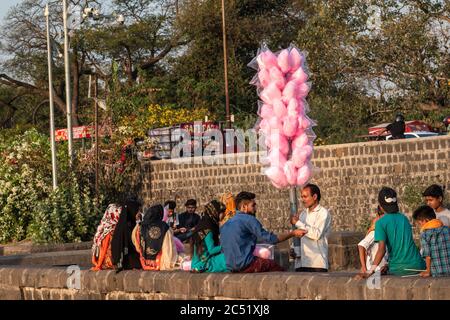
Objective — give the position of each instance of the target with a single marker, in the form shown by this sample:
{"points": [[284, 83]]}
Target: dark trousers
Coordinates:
{"points": [[305, 269], [262, 265]]}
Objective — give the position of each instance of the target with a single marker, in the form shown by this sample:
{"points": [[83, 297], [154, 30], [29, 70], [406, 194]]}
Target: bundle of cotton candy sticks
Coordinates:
{"points": [[282, 82]]}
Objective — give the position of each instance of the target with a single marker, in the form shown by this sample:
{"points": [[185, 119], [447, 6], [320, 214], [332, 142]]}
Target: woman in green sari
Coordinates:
{"points": [[207, 253]]}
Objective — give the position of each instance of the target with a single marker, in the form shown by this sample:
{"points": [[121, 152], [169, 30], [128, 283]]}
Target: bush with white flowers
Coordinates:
{"points": [[29, 208]]}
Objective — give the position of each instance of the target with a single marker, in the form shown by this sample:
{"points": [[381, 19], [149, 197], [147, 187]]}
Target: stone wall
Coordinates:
{"points": [[349, 175], [45, 284]]}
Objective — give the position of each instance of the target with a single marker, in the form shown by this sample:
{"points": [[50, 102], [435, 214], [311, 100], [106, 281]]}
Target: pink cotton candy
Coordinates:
{"points": [[264, 125], [186, 265], [299, 76], [290, 172], [263, 253], [290, 125], [300, 140], [302, 91], [290, 91], [296, 59], [267, 60], [276, 158], [264, 77], [266, 111], [293, 108], [279, 109], [278, 141], [271, 93], [304, 122], [277, 176], [275, 123], [301, 156], [284, 61], [298, 158], [304, 174], [277, 77]]}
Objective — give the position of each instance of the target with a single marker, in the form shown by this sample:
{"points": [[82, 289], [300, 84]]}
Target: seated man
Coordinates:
{"points": [[394, 233], [435, 241], [434, 197], [239, 235], [187, 221]]}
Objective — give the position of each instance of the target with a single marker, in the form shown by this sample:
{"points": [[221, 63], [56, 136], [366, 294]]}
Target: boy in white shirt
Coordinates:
{"points": [[368, 248], [317, 221], [434, 197]]}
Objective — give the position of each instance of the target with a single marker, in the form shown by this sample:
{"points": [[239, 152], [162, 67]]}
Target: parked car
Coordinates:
{"points": [[417, 134]]}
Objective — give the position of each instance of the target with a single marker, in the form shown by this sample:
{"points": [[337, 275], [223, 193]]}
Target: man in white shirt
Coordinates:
{"points": [[434, 197], [317, 221], [368, 248]]}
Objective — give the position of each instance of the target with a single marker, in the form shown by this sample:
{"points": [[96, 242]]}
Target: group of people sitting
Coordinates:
{"points": [[389, 246], [225, 237]]}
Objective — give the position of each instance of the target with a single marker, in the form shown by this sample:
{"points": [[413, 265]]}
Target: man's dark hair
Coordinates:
{"points": [[172, 204], [314, 190], [243, 198], [191, 202], [434, 191], [424, 213]]}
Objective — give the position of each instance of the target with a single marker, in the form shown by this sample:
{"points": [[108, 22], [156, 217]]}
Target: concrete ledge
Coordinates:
{"points": [[343, 253], [51, 283], [81, 258], [21, 249]]}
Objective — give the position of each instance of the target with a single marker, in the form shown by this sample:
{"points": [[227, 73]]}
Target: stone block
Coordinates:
{"points": [[131, 280], [8, 292], [420, 289], [318, 287], [440, 289], [337, 288], [397, 288]]}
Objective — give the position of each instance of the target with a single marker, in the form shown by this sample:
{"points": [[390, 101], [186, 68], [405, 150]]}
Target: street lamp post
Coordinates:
{"points": [[225, 68], [67, 75], [50, 97], [96, 135]]}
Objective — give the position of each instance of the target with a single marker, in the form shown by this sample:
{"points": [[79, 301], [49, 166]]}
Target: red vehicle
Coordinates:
{"points": [[411, 126]]}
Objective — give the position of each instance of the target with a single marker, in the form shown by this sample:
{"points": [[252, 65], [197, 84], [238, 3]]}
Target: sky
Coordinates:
{"points": [[5, 5]]}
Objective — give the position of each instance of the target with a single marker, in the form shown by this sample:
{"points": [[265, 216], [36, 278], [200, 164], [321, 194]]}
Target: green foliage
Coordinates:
{"points": [[412, 196], [29, 208]]}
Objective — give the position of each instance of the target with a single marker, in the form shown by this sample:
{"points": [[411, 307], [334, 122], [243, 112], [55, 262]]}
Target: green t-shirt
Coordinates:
{"points": [[395, 230]]}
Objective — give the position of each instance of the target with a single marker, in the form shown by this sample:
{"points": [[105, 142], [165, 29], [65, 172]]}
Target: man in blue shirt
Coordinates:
{"points": [[239, 235]]}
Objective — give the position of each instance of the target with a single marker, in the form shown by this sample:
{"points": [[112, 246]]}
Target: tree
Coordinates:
{"points": [[139, 45]]}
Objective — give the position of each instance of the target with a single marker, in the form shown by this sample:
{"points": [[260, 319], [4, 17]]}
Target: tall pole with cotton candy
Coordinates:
{"points": [[282, 85]]}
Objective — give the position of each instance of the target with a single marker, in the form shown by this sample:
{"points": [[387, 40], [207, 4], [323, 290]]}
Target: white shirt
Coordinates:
{"points": [[314, 244], [444, 216], [371, 247]]}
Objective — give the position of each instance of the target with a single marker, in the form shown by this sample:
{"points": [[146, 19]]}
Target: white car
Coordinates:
{"points": [[416, 134]]}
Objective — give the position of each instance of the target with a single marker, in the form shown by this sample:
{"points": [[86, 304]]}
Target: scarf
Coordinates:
{"points": [[432, 224], [106, 226], [152, 232], [121, 245], [209, 222], [230, 205]]}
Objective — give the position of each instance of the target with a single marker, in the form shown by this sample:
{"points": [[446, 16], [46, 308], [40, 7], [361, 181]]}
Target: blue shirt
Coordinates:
{"points": [[436, 245], [238, 237]]}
